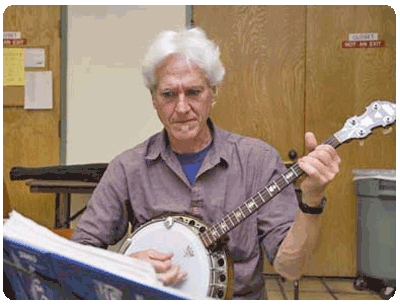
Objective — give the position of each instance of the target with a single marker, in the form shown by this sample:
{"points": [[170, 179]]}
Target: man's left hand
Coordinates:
{"points": [[321, 165]]}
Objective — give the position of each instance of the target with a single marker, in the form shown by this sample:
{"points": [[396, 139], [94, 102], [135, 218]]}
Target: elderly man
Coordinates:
{"points": [[194, 167]]}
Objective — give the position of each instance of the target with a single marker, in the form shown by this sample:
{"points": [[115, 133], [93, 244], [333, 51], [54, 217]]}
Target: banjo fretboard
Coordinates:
{"points": [[230, 221]]}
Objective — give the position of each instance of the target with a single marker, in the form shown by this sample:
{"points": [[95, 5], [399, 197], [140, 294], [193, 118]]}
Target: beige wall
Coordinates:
{"points": [[109, 109]]}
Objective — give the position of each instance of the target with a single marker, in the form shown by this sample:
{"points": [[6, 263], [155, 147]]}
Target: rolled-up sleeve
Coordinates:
{"points": [[105, 220]]}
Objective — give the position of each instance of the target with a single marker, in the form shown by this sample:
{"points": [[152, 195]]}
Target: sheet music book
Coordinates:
{"points": [[42, 265]]}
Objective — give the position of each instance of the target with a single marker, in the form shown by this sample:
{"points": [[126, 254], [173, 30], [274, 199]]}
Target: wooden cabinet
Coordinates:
{"points": [[287, 73], [31, 137]]}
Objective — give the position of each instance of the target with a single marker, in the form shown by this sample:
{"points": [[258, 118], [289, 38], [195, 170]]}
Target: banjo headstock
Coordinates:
{"points": [[378, 114]]}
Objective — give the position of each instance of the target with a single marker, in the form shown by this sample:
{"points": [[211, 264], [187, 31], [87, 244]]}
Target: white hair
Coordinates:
{"points": [[193, 44]]}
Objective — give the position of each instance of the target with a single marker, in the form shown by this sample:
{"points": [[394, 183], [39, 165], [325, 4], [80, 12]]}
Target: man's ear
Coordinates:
{"points": [[215, 93]]}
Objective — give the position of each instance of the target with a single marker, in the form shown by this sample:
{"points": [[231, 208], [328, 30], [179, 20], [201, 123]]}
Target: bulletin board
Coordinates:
{"points": [[14, 95]]}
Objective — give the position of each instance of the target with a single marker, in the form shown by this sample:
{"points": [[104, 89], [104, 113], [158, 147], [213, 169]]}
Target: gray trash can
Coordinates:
{"points": [[376, 231]]}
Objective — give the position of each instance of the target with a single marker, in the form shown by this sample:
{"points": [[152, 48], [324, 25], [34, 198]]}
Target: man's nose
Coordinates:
{"points": [[183, 105]]}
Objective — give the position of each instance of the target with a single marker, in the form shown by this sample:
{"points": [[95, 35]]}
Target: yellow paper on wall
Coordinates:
{"points": [[13, 67]]}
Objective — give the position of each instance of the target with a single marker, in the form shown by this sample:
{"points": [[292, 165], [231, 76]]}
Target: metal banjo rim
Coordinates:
{"points": [[221, 279]]}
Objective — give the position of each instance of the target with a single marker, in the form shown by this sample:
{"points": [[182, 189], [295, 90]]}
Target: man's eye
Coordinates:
{"points": [[193, 92], [167, 93]]}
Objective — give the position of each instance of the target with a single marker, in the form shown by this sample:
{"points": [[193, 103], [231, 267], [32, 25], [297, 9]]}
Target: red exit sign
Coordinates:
{"points": [[363, 44], [21, 41]]}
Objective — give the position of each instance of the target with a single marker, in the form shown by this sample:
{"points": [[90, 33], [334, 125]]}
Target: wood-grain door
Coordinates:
{"points": [[286, 74], [31, 137], [341, 83], [262, 49]]}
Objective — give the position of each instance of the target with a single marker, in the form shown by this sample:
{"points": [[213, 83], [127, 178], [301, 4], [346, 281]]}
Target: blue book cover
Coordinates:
{"points": [[37, 272]]}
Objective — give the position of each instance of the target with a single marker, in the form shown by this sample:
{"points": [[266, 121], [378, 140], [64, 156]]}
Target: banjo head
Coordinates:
{"points": [[210, 272]]}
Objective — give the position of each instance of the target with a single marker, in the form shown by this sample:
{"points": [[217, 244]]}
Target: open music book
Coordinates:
{"points": [[42, 265]]}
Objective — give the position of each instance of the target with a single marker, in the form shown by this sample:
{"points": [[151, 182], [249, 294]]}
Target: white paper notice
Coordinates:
{"points": [[11, 35], [38, 90], [34, 58], [363, 36]]}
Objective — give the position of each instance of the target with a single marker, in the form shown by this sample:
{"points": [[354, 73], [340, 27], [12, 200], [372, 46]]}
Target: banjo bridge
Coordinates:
{"points": [[189, 252]]}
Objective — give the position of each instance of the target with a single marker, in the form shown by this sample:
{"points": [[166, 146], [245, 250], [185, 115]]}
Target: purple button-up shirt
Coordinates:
{"points": [[234, 169]]}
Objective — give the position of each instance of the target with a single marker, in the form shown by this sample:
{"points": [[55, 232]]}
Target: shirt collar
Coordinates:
{"points": [[159, 144]]}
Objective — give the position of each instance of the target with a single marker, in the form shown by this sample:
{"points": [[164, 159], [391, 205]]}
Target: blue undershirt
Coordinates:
{"points": [[191, 162]]}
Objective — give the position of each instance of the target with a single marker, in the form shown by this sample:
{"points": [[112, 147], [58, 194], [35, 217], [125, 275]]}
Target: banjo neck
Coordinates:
{"points": [[378, 114], [234, 218]]}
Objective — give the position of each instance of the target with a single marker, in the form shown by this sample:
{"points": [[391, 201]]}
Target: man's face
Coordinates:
{"points": [[183, 99]]}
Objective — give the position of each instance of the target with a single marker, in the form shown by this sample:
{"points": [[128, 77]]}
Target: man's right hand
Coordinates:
{"points": [[168, 274]]}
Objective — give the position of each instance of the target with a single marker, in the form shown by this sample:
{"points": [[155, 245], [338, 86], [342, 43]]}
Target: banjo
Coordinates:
{"points": [[202, 250]]}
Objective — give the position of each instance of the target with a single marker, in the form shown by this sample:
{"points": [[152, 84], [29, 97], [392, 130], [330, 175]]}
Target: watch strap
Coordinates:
{"points": [[305, 208]]}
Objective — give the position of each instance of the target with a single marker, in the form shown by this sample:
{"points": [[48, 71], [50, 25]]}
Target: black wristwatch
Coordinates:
{"points": [[313, 210]]}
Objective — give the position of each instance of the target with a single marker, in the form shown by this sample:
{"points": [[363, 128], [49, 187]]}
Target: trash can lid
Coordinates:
{"points": [[382, 174]]}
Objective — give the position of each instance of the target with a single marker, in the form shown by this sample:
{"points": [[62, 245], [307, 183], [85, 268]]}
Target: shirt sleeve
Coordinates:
{"points": [[105, 219], [276, 217]]}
